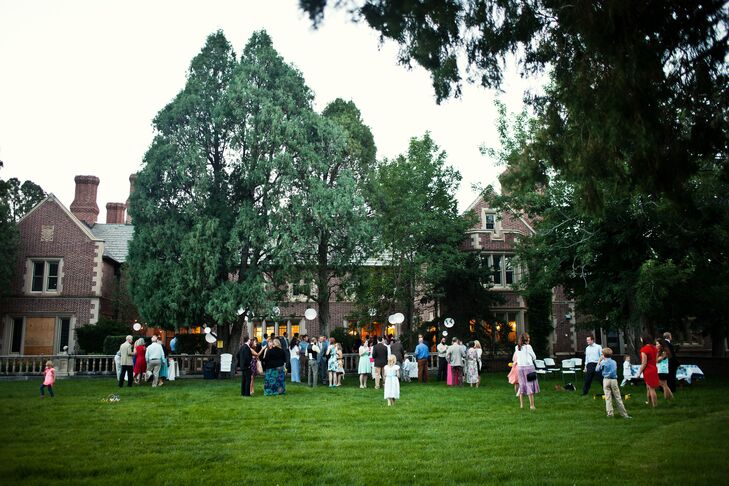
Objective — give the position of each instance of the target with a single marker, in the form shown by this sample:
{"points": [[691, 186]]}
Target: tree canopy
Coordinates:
{"points": [[637, 93], [16, 199]]}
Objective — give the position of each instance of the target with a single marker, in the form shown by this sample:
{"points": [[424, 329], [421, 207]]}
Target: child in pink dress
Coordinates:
{"points": [[50, 379], [514, 374]]}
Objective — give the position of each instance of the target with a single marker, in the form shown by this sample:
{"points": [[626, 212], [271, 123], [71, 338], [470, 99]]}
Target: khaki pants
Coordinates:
{"points": [[313, 373], [154, 366], [612, 391]]}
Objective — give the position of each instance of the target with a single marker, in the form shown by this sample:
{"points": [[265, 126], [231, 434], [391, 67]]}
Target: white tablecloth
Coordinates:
{"points": [[684, 372], [172, 371]]}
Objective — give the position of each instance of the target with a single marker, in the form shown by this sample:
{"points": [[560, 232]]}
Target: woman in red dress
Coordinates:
{"points": [[648, 368], [140, 360]]}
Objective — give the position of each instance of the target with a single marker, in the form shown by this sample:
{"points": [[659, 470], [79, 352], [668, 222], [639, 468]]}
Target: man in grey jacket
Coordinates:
{"points": [[127, 352], [455, 357]]}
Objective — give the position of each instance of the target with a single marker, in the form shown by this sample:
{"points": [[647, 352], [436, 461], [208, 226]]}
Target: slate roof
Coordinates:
{"points": [[116, 239]]}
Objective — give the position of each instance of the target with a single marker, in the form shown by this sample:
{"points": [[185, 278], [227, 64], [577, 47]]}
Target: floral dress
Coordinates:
{"points": [[472, 366], [333, 363]]}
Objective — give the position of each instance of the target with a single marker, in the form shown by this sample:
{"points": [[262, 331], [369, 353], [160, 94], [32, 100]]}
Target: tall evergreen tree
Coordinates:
{"points": [[330, 220], [208, 219]]}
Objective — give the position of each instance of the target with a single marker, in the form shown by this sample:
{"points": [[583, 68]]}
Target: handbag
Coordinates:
{"points": [[259, 368], [532, 376]]}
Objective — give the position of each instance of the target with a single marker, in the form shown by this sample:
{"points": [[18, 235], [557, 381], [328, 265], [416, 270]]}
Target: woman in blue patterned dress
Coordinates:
{"points": [[273, 360]]}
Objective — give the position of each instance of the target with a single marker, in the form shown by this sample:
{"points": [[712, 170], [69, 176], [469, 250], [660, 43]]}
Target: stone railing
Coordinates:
{"points": [[66, 365], [99, 365]]}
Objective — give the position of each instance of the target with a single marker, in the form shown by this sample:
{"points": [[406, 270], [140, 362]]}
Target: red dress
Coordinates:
{"points": [[140, 363], [650, 373]]}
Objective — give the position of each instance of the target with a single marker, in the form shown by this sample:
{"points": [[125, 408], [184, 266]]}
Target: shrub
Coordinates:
{"points": [[91, 337], [111, 343]]}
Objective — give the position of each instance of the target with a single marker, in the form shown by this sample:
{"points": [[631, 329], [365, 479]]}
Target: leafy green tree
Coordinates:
{"points": [[210, 230], [16, 199], [639, 263], [638, 89], [413, 197], [331, 223]]}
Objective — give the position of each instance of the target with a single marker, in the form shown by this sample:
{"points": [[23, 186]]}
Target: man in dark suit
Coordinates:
{"points": [[379, 355], [244, 361], [672, 362]]}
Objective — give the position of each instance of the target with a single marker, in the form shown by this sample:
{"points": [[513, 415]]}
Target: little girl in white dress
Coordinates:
{"points": [[392, 382]]}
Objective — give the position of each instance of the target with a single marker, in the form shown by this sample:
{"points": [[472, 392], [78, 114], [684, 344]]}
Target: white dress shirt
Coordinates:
{"points": [[593, 353]]}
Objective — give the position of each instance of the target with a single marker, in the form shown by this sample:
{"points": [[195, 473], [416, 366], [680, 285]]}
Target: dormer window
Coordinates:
{"points": [[490, 221]]}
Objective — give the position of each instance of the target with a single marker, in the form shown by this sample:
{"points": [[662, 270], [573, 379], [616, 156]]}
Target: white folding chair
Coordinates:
{"points": [[568, 369], [540, 367], [551, 365], [226, 363], [577, 365]]}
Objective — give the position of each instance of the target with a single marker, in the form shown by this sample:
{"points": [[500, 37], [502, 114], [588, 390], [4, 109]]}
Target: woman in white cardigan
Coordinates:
{"points": [[525, 358]]}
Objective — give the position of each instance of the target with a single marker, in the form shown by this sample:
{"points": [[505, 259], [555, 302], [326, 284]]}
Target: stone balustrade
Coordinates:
{"points": [[99, 365]]}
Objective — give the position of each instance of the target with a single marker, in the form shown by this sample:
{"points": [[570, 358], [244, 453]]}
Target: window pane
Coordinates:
{"points": [[17, 335], [281, 329], [490, 219], [497, 269], [294, 329], [52, 276], [38, 269], [65, 330]]}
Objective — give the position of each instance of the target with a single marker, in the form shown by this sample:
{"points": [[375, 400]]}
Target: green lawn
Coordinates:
{"points": [[194, 432]]}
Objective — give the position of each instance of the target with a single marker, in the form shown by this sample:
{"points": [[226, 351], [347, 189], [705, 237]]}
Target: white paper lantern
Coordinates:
{"points": [[137, 326], [445, 333], [207, 330], [449, 322], [276, 311], [399, 318], [310, 314], [373, 312], [210, 338], [391, 319]]}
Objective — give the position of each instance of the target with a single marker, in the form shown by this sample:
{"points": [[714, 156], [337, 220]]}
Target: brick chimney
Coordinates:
{"points": [[84, 203], [115, 213], [132, 179]]}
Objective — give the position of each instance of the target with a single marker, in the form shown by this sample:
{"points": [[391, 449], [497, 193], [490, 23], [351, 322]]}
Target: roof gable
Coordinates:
{"points": [[52, 199]]}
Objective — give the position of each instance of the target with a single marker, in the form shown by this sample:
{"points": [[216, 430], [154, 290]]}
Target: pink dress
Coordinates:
{"points": [[513, 375], [450, 379], [50, 377]]}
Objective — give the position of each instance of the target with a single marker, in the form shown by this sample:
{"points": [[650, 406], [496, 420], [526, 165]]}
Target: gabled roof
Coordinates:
{"points": [[519, 215], [53, 199], [117, 237]]}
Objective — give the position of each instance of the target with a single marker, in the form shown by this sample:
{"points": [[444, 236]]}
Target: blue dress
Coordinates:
{"points": [[295, 369]]}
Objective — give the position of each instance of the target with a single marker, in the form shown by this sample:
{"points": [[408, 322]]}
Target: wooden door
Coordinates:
{"points": [[39, 335]]}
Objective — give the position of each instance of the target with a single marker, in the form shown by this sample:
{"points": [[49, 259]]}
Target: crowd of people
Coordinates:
{"points": [[139, 362], [320, 360]]}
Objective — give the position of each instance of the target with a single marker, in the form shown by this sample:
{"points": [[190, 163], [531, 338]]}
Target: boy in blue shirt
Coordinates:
{"points": [[609, 370]]}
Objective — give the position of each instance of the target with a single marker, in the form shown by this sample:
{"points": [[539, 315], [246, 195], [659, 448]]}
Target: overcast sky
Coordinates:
{"points": [[81, 81]]}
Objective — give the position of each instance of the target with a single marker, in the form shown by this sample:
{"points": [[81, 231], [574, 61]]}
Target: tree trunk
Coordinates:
{"points": [[322, 282], [718, 339]]}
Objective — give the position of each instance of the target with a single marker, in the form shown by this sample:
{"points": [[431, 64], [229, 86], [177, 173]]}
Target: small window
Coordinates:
{"points": [[45, 276], [17, 340], [282, 329], [65, 331], [259, 332], [490, 221], [294, 329], [38, 271]]}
